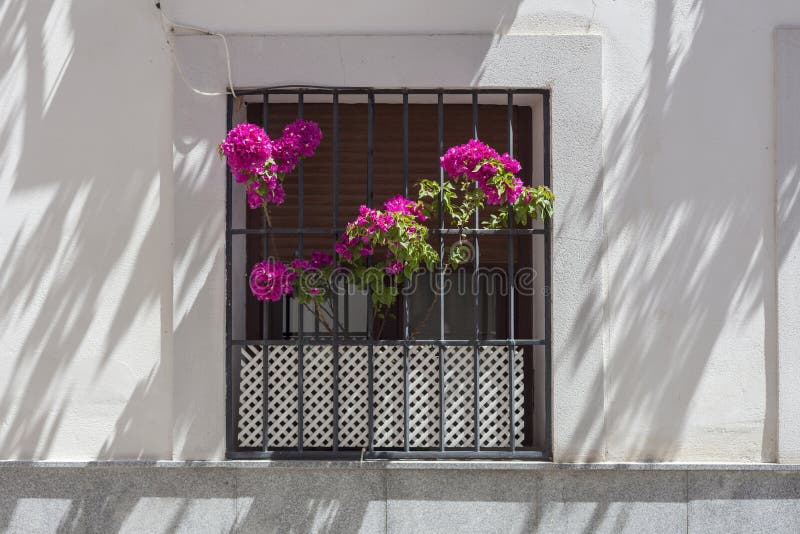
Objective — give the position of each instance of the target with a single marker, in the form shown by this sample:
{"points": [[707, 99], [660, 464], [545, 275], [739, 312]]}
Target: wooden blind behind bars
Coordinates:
{"points": [[423, 162]]}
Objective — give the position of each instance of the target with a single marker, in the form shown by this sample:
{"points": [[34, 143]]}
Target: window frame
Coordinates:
{"points": [[543, 453]]}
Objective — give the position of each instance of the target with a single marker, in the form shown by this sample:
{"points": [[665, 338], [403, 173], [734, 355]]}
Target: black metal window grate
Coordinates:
{"points": [[295, 392]]}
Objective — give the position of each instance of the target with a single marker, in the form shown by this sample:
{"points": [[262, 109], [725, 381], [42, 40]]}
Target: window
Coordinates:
{"points": [[446, 373]]}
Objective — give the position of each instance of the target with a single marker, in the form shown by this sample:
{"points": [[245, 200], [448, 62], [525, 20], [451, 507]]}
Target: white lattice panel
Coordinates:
{"points": [[353, 396], [388, 396], [423, 396], [282, 396], [459, 396], [493, 387], [251, 400], [318, 396]]}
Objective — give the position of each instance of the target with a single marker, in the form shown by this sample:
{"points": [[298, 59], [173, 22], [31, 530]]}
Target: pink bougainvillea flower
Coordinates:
{"points": [[371, 220], [300, 139], [478, 161], [300, 265], [264, 188], [285, 154], [254, 199], [394, 267], [319, 259], [400, 204], [468, 160], [274, 193], [343, 250], [270, 280], [305, 135], [242, 177], [246, 148], [514, 192], [510, 164]]}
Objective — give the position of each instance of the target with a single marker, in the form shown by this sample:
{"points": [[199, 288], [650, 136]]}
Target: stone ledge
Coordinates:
{"points": [[470, 465], [397, 497]]}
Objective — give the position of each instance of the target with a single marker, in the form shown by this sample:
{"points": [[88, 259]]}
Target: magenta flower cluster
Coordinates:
{"points": [[300, 139], [372, 220], [397, 231], [260, 163], [478, 161], [319, 260], [400, 204], [360, 232], [394, 267], [345, 246], [247, 148], [348, 246], [264, 188], [271, 280]]}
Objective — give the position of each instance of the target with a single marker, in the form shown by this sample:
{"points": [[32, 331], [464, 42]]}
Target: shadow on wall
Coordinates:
{"points": [[85, 275], [159, 499], [690, 247], [86, 283], [328, 500], [85, 288]]}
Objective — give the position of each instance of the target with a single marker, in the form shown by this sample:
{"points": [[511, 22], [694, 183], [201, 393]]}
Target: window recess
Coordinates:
{"points": [[464, 375]]}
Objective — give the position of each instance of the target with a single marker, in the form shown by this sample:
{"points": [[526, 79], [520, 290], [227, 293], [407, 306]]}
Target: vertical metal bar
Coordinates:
{"points": [[346, 310], [370, 318], [335, 296], [370, 146], [300, 328], [316, 316], [406, 314], [511, 294], [476, 305], [287, 314], [442, 395], [547, 282], [229, 406], [475, 114], [265, 312], [405, 144]]}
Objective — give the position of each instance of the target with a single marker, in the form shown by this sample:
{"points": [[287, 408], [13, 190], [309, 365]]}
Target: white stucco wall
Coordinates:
{"points": [[85, 231], [92, 293], [787, 218]]}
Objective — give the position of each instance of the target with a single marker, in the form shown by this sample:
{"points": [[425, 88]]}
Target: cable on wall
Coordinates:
{"points": [[174, 54]]}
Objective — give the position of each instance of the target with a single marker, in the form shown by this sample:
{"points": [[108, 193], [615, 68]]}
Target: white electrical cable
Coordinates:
{"points": [[174, 54]]}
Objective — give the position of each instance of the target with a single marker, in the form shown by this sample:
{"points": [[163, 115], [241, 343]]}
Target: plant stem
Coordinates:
{"points": [[380, 329], [330, 315], [272, 245], [315, 311]]}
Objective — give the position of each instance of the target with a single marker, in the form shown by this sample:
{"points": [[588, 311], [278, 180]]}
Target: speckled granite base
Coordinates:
{"points": [[397, 497]]}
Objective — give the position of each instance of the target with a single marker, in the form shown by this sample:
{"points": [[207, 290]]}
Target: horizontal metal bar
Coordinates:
{"points": [[393, 342], [446, 231], [285, 231], [519, 454], [315, 90]]}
